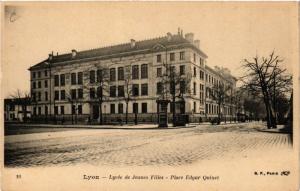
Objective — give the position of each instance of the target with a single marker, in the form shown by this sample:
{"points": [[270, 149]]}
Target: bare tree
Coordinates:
{"points": [[174, 85], [22, 99], [265, 78], [127, 89], [96, 85], [219, 93]]}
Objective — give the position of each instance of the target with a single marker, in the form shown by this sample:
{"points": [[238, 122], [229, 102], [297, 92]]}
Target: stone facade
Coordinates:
{"points": [[66, 85]]}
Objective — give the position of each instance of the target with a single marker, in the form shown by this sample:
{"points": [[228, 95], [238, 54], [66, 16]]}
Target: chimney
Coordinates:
{"points": [[179, 31], [50, 56], [190, 37], [132, 43], [197, 43], [74, 52], [169, 36]]}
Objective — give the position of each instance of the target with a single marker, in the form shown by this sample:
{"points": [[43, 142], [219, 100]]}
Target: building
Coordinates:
{"points": [[67, 87], [16, 109]]}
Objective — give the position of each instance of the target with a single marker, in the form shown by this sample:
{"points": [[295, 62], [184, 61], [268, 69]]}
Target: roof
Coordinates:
{"points": [[220, 74], [144, 46]]}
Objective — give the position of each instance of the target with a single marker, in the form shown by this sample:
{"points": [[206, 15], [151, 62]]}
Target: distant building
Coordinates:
{"points": [[59, 79], [16, 110]]}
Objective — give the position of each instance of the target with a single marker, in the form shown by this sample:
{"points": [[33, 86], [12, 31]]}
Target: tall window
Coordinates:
{"points": [[46, 110], [195, 72], [120, 108], [99, 92], [62, 79], [33, 85], [73, 78], [158, 58], [33, 74], [144, 71], [39, 74], [121, 91], [99, 75], [201, 75], [79, 77], [182, 87], [112, 91], [144, 107], [80, 93], [182, 70], [144, 89], [39, 84], [172, 56], [135, 89], [181, 55], [46, 96], [172, 88], [159, 88], [195, 88], [62, 94], [73, 93], [45, 73], [56, 80], [46, 83], [112, 108], [34, 96], [79, 108], [62, 109], [56, 110], [135, 72], [135, 107], [92, 76], [194, 57], [195, 107], [73, 109], [112, 74], [92, 93], [159, 72], [56, 95], [121, 73]]}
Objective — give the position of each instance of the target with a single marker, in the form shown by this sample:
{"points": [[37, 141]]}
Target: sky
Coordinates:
{"points": [[228, 32]]}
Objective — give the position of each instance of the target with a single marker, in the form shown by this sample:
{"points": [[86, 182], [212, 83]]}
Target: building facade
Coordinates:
{"points": [[16, 110], [110, 80]]}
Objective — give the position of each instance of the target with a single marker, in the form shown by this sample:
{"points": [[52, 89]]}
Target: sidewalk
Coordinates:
{"points": [[124, 126]]}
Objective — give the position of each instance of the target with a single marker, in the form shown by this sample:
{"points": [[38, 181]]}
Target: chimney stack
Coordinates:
{"points": [[51, 56], [169, 36], [179, 31], [74, 52], [132, 43], [197, 43], [190, 37]]}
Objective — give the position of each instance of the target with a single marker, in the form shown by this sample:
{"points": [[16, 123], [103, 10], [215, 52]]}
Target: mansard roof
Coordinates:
{"points": [[144, 46]]}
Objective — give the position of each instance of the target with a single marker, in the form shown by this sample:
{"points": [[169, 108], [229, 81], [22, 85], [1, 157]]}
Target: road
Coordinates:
{"points": [[141, 147]]}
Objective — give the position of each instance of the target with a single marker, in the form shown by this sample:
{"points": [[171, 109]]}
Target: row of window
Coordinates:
{"points": [[181, 57], [76, 109], [135, 108], [38, 84], [214, 109], [39, 74]]}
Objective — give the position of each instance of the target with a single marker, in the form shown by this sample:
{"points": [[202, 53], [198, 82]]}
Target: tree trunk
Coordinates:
{"points": [[126, 116], [101, 116], [173, 110], [219, 113]]}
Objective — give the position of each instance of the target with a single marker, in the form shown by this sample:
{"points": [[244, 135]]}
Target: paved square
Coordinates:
{"points": [[142, 147]]}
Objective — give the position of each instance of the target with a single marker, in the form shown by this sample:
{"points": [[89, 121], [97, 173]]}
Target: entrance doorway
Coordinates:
{"points": [[96, 111]]}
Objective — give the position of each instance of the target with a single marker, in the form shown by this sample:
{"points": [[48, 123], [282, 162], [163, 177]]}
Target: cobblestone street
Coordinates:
{"points": [[142, 147]]}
